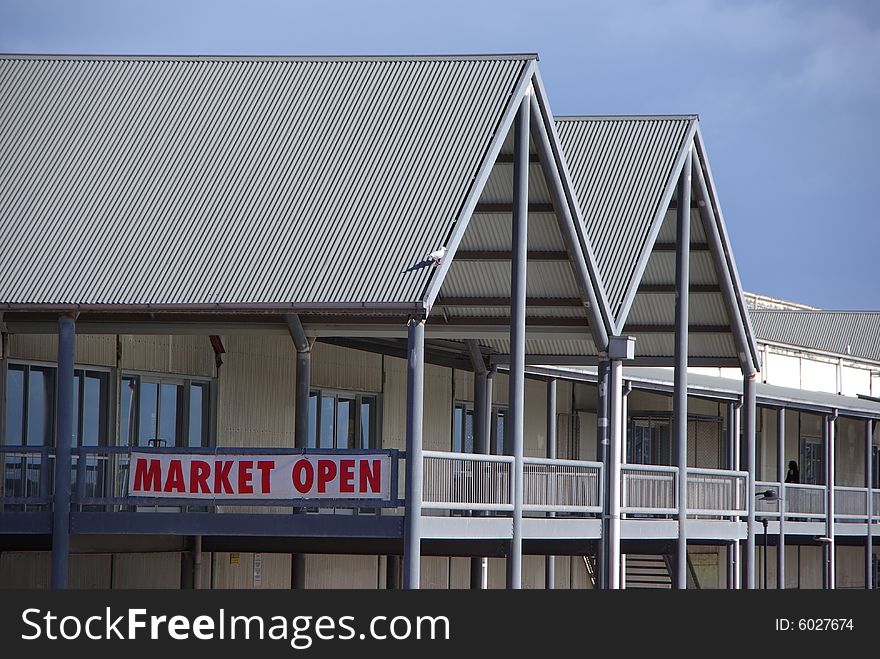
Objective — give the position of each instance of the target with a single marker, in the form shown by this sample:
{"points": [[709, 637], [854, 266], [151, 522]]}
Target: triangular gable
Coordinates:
{"points": [[567, 312], [627, 170]]}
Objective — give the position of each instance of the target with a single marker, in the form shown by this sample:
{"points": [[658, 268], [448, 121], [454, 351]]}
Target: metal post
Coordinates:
{"points": [[197, 563], [731, 464], [737, 546], [550, 561], [64, 437], [748, 421], [829, 502], [481, 445], [519, 246], [764, 523], [780, 471], [614, 458], [869, 483], [415, 384], [602, 385], [300, 422], [680, 393], [392, 572]]}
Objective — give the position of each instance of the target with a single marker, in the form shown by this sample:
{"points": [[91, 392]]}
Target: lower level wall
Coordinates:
{"points": [[246, 570]]}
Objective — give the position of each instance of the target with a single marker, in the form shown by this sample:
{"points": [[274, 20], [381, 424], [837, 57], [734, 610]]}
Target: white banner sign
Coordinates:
{"points": [[310, 476]]}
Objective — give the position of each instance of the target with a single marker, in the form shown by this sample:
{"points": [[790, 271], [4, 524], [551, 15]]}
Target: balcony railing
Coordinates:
{"points": [[648, 489], [452, 481], [851, 503], [716, 492], [803, 501], [467, 481], [25, 478], [562, 486]]}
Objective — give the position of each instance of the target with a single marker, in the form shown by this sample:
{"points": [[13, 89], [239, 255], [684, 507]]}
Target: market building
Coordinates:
{"points": [[387, 322]]}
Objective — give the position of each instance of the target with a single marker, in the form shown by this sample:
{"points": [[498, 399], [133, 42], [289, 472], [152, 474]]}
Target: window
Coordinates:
{"points": [[812, 461], [343, 420], [30, 405], [90, 414], [463, 429], [164, 411], [499, 431], [648, 441]]}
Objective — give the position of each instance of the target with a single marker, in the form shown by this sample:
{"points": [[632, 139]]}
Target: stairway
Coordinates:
{"points": [[645, 571], [654, 571]]}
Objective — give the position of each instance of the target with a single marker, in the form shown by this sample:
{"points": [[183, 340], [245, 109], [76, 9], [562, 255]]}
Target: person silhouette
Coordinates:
{"points": [[794, 474]]}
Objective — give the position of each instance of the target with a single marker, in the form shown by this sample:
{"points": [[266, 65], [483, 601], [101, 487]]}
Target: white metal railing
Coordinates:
{"points": [[875, 507], [767, 507], [716, 491], [851, 502], [467, 481], [562, 485], [648, 489], [804, 500]]}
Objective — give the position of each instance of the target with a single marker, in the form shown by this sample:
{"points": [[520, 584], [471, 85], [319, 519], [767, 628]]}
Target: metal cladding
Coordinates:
{"points": [[841, 332], [620, 168], [237, 181]]}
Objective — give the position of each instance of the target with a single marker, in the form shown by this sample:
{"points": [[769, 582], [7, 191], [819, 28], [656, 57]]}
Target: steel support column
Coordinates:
{"points": [[829, 549], [481, 440], [749, 410], [64, 437], [550, 561], [680, 391], [300, 421], [602, 453], [615, 452], [731, 464], [869, 483], [519, 246], [415, 385], [737, 465], [780, 471]]}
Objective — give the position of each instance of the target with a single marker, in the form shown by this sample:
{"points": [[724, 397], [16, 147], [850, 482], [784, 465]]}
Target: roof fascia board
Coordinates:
{"points": [[550, 161], [657, 223], [432, 289], [729, 292], [725, 241], [573, 203]]}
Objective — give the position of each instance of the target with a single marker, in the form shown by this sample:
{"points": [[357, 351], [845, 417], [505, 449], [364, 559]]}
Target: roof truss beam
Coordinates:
{"points": [[670, 288], [490, 208]]}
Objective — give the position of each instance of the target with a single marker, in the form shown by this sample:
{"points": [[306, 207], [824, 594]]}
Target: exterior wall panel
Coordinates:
{"points": [[256, 392], [159, 570], [91, 349], [341, 571]]}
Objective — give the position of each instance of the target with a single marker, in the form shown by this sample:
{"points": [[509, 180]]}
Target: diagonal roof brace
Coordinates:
{"points": [[738, 323], [566, 222]]}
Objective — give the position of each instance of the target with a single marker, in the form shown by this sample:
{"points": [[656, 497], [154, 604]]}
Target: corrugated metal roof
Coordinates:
{"points": [[620, 168], [855, 333], [236, 181]]}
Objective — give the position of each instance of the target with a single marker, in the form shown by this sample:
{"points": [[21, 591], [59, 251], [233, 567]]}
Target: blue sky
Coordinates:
{"points": [[788, 92]]}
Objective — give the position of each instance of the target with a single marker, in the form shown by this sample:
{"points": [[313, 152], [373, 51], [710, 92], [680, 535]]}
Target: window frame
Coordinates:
{"points": [[374, 442], [106, 412], [209, 406]]}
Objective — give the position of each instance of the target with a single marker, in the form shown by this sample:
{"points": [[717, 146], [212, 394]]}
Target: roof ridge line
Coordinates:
{"points": [[625, 117], [277, 58]]}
